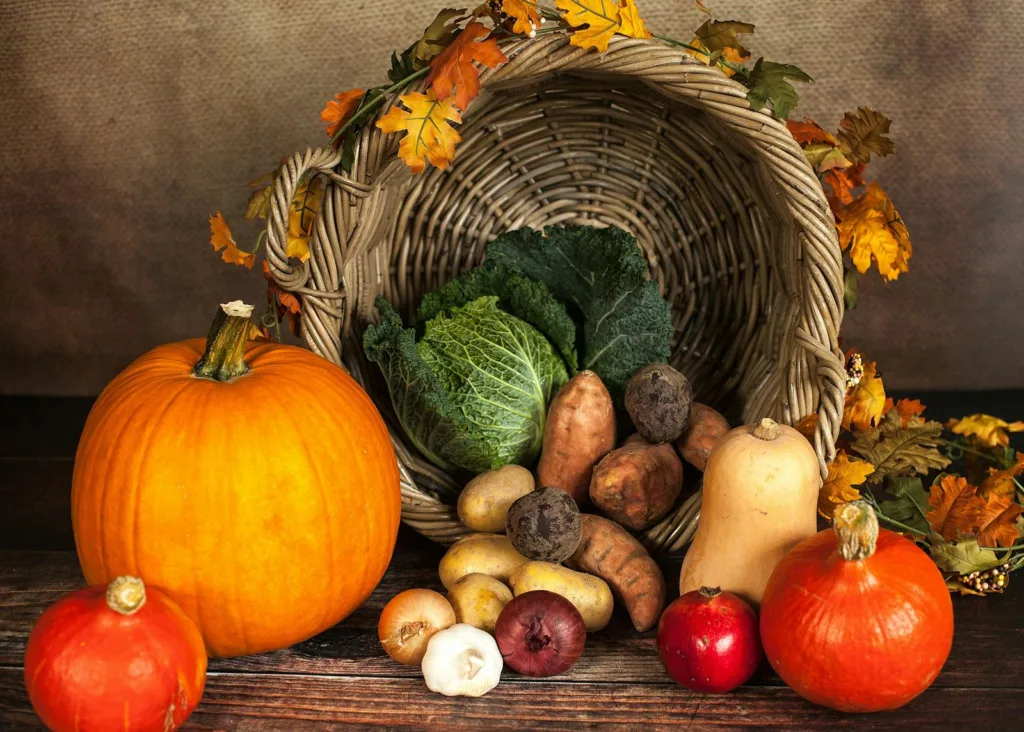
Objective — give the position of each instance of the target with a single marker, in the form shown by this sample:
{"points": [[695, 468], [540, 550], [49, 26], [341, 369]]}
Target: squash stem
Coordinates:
{"points": [[856, 526], [224, 358], [767, 430], [126, 595]]}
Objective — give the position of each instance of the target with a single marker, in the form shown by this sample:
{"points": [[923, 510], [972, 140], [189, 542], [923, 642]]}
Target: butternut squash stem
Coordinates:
{"points": [[856, 526], [767, 430], [224, 358], [126, 595]]}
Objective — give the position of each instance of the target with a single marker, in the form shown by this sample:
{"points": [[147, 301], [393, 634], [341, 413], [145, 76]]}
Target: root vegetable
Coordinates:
{"points": [[540, 634], [478, 600], [462, 661], [409, 620], [610, 552], [490, 554], [706, 428], [484, 501], [590, 595], [637, 484], [544, 525], [658, 401], [579, 431]]}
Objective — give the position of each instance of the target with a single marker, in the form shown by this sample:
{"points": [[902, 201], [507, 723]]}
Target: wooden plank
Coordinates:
{"points": [[988, 648], [276, 702]]}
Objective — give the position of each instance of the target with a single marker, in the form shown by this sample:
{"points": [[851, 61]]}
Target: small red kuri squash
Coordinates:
{"points": [[856, 618], [254, 482], [120, 657]]}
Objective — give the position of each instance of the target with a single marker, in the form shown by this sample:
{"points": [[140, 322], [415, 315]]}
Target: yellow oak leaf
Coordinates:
{"points": [[603, 19], [429, 136], [302, 217], [865, 402], [452, 72], [221, 239], [872, 229], [988, 430], [956, 507], [1001, 482], [996, 525], [864, 132], [339, 109], [843, 475], [908, 409], [526, 15]]}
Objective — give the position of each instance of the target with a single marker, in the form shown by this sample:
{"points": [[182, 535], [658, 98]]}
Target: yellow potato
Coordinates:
{"points": [[484, 501], [478, 599], [490, 554], [591, 595]]}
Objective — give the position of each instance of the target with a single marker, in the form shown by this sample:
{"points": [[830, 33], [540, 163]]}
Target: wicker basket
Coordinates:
{"points": [[732, 220]]}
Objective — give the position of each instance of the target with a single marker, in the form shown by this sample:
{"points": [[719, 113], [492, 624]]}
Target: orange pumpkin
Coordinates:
{"points": [[255, 483]]}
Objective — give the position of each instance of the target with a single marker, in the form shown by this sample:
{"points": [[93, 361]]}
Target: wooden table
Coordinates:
{"points": [[343, 677]]}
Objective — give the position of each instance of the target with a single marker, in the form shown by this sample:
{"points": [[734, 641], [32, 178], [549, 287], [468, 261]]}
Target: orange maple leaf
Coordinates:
{"points": [[865, 403], [525, 13], [988, 430], [907, 409], [289, 302], [429, 137], [1001, 482], [453, 72], [602, 20], [220, 238], [842, 182], [843, 475], [956, 507], [996, 524], [339, 109], [873, 230], [809, 132]]}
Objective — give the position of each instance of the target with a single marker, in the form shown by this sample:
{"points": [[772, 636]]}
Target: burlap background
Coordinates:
{"points": [[125, 124]]}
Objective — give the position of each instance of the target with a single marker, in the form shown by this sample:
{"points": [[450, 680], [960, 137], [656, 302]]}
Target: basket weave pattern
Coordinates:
{"points": [[731, 218]]}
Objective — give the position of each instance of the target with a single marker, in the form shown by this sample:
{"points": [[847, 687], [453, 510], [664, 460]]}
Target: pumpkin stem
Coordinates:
{"points": [[126, 595], [224, 358], [856, 526], [767, 430]]}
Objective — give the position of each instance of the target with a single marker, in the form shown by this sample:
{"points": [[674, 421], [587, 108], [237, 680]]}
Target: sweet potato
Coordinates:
{"points": [[706, 427], [638, 483], [611, 553], [580, 430]]}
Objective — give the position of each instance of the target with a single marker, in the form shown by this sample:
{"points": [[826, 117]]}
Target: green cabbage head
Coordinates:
{"points": [[472, 394]]}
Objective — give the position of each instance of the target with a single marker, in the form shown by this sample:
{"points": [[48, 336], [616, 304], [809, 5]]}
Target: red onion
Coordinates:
{"points": [[540, 633]]}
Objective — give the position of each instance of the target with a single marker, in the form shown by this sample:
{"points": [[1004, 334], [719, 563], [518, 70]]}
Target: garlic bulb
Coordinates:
{"points": [[462, 661]]}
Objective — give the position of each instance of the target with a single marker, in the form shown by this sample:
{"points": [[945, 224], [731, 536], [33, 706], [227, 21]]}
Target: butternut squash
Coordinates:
{"points": [[760, 499]]}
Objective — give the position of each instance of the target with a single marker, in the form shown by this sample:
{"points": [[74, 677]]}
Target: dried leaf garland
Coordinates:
{"points": [[524, 14], [720, 36], [956, 507], [871, 229], [909, 504], [429, 135], [898, 451], [222, 241], [340, 109], [864, 133], [770, 82], [865, 402], [596, 21], [302, 217], [997, 521], [1001, 482], [961, 556], [986, 429], [908, 409], [843, 474], [453, 73]]}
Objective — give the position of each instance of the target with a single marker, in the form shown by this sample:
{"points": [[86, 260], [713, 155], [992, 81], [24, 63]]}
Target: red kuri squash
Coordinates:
{"points": [[115, 657], [254, 482], [856, 618]]}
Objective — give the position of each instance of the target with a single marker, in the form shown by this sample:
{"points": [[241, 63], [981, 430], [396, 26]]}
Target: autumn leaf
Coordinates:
{"points": [[452, 72], [258, 204], [962, 556], [221, 239], [525, 13], [768, 82], [863, 133], [258, 333], [287, 304], [436, 36], [909, 504], [807, 426], [996, 522], [302, 217], [1001, 482], [603, 19], [843, 475], [842, 182], [907, 409], [865, 403], [985, 428], [897, 451], [872, 229], [700, 52], [429, 136], [719, 36], [808, 132], [956, 507], [340, 109]]}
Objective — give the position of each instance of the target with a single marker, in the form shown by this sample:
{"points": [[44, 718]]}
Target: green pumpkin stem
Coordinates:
{"points": [[126, 595], [856, 526], [224, 358]]}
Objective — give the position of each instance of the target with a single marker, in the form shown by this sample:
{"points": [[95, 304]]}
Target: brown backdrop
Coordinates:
{"points": [[125, 124]]}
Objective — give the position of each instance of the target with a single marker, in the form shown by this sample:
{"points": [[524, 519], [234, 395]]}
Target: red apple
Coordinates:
{"points": [[708, 640]]}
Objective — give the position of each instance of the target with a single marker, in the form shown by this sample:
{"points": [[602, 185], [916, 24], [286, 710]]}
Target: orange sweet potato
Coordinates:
{"points": [[610, 552], [580, 430], [637, 484], [706, 427]]}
